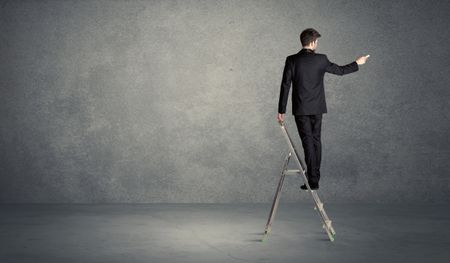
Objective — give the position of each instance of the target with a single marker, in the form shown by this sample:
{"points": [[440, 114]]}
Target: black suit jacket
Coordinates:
{"points": [[305, 70]]}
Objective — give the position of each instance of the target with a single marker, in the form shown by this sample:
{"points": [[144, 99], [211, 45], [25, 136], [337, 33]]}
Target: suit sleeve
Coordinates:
{"points": [[340, 70], [285, 86]]}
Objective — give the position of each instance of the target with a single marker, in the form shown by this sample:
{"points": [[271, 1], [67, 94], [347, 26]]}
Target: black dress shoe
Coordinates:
{"points": [[312, 186]]}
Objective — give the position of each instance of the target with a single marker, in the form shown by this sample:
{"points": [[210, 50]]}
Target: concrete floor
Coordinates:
{"points": [[222, 233]]}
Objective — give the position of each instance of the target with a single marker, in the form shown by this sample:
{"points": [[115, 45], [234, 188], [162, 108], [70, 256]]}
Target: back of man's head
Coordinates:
{"points": [[309, 35]]}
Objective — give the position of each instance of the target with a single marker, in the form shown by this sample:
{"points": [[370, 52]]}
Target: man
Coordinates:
{"points": [[305, 70]]}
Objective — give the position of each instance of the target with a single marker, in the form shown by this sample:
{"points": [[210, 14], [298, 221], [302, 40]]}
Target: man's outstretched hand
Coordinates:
{"points": [[280, 117], [362, 60]]}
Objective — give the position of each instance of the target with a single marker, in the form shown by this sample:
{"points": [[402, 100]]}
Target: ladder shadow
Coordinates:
{"points": [[255, 240], [257, 233]]}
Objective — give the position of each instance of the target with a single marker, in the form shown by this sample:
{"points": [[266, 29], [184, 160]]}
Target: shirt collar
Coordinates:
{"points": [[307, 50]]}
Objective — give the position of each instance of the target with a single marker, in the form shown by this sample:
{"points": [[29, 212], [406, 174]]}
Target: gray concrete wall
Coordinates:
{"points": [[176, 101]]}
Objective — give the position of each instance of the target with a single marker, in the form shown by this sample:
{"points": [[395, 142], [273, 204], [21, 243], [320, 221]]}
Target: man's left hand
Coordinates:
{"points": [[280, 117]]}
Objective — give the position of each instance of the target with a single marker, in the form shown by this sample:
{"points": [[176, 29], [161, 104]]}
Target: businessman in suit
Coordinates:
{"points": [[305, 70]]}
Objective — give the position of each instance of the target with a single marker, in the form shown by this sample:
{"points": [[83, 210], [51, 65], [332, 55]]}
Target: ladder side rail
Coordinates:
{"points": [[276, 199], [294, 151]]}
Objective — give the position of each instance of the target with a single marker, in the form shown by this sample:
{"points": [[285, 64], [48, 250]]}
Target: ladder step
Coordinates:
{"points": [[291, 171]]}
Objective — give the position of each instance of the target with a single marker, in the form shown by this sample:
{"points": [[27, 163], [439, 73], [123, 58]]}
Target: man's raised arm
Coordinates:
{"points": [[341, 70], [346, 69]]}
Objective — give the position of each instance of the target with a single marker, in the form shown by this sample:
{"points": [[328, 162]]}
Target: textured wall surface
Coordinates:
{"points": [[176, 101]]}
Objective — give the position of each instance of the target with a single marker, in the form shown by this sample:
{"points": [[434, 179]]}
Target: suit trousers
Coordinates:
{"points": [[309, 128]]}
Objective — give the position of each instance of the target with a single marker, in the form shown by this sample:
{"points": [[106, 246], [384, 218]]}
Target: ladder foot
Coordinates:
{"points": [[265, 236], [332, 230]]}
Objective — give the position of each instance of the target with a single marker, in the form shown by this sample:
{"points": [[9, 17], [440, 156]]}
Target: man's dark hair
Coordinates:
{"points": [[308, 35]]}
